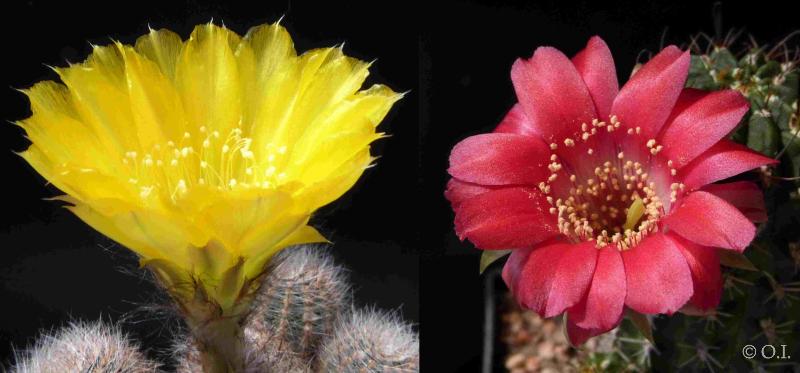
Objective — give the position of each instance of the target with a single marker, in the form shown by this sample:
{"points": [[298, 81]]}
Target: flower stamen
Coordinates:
{"points": [[618, 202], [231, 164]]}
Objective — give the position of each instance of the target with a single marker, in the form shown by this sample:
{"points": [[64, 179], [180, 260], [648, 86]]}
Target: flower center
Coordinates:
{"points": [[224, 163], [603, 194]]}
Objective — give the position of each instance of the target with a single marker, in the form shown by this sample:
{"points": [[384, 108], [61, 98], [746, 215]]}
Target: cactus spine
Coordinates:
{"points": [[370, 341], [84, 347]]}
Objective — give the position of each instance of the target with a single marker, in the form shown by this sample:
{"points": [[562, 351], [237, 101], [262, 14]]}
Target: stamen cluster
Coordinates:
{"points": [[618, 202], [221, 163]]}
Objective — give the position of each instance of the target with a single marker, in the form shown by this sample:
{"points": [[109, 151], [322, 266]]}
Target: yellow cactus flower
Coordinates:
{"points": [[205, 156]]}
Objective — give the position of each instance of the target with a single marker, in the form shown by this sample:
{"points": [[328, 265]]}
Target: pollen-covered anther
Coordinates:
{"points": [[222, 164], [654, 147], [675, 190], [616, 205]]}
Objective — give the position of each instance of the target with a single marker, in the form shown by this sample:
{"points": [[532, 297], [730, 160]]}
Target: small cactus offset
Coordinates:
{"points": [[84, 347], [300, 298], [370, 341]]}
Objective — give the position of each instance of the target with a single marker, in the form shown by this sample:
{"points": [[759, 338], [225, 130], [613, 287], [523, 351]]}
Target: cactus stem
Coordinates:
{"points": [[218, 332], [220, 345]]}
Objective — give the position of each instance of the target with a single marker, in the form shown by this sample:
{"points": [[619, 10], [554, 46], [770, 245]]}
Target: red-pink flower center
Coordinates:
{"points": [[604, 195]]}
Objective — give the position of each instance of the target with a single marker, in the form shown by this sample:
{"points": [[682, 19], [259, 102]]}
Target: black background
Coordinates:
{"points": [[394, 229]]}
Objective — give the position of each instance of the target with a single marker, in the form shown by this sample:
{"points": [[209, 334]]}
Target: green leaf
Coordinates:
{"points": [[643, 324], [490, 256], [730, 258]]}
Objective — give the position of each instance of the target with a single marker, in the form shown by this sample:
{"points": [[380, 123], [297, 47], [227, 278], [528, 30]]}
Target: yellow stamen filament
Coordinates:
{"points": [[217, 164]]}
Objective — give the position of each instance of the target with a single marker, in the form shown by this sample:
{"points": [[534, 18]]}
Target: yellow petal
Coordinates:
{"points": [[157, 108], [338, 77], [148, 233], [44, 166], [162, 47], [273, 48], [100, 96], [109, 227], [208, 80], [341, 134], [266, 234], [230, 219], [321, 192], [254, 266], [90, 185], [267, 55], [276, 122], [56, 127]]}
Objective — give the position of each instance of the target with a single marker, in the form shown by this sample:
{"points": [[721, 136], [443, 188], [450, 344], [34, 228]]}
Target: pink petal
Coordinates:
{"points": [[521, 276], [517, 122], [577, 335], [500, 159], [649, 96], [744, 195], [702, 124], [596, 66], [512, 270], [687, 98], [710, 221], [552, 277], [602, 306], [658, 278], [508, 218], [706, 275], [459, 191], [553, 94], [723, 160]]}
